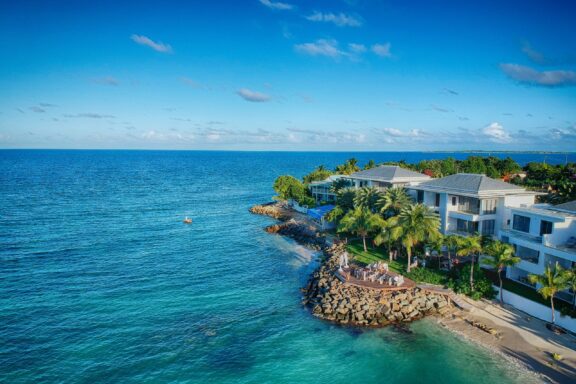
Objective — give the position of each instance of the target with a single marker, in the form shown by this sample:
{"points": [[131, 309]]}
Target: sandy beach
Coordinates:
{"points": [[523, 338]]}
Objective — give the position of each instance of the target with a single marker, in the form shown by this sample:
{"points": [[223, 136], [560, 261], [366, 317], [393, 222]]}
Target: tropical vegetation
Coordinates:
{"points": [[399, 228], [553, 280], [500, 256]]}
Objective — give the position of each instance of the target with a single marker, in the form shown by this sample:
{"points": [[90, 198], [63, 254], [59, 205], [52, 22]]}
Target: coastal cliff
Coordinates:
{"points": [[331, 299]]}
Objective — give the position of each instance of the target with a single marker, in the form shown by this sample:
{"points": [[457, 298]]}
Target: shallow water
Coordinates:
{"points": [[100, 281]]}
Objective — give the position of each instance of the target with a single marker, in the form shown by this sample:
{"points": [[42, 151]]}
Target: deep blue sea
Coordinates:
{"points": [[101, 282]]}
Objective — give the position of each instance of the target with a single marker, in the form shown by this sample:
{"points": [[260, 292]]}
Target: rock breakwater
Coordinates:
{"points": [[333, 300], [274, 210], [301, 232]]}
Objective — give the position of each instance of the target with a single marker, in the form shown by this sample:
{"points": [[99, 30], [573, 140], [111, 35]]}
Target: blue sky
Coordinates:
{"points": [[288, 75]]}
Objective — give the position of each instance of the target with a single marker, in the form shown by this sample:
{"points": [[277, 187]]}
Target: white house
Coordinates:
{"points": [[322, 190], [381, 177], [541, 234], [471, 203], [386, 176]]}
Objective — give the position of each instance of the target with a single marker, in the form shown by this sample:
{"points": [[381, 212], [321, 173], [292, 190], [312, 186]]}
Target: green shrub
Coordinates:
{"points": [[425, 275], [460, 283]]}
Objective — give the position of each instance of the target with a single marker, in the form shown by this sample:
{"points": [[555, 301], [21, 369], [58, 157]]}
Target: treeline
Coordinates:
{"points": [[559, 181]]}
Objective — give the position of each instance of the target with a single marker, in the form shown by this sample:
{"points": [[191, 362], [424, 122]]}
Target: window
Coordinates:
{"points": [[490, 206], [527, 254], [466, 226], [469, 205], [420, 196], [488, 227], [521, 223], [545, 227], [454, 201], [437, 203]]}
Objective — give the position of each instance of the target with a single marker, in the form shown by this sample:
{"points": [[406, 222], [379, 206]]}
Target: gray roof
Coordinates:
{"points": [[569, 206], [389, 173], [470, 183]]}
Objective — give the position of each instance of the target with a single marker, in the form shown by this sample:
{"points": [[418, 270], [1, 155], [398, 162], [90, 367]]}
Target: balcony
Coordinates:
{"points": [[567, 246], [512, 233]]}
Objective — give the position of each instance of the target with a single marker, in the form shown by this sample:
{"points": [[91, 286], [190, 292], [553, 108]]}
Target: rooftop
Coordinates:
{"points": [[569, 207], [559, 212], [329, 180], [389, 173], [471, 184]]}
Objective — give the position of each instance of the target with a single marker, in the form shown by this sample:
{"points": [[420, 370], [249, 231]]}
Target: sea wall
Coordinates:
{"points": [[332, 300]]}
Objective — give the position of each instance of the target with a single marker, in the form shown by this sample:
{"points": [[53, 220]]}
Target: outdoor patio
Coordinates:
{"points": [[374, 276]]}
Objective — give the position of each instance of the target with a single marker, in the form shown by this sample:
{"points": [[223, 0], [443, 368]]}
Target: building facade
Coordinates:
{"points": [[541, 235], [471, 203], [386, 176]]}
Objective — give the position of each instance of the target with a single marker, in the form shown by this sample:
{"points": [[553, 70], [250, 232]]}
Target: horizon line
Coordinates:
{"points": [[295, 151]]}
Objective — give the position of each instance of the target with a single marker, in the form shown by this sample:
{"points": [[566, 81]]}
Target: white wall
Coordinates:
{"points": [[537, 310], [562, 231]]}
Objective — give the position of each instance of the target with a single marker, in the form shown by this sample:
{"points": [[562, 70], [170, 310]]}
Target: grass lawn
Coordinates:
{"points": [[527, 292], [356, 249]]}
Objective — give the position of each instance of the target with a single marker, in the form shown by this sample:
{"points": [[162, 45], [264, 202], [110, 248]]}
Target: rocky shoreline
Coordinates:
{"points": [[332, 300], [292, 224]]}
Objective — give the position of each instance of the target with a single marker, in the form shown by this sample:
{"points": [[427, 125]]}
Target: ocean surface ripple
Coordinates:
{"points": [[100, 281]]}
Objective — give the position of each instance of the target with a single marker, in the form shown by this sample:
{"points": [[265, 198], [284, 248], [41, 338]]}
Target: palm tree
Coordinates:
{"points": [[385, 235], [551, 282], [414, 224], [451, 242], [361, 222], [436, 245], [501, 255], [340, 184], [349, 167], [367, 197], [370, 164], [571, 282], [393, 200], [335, 214], [470, 246], [345, 198]]}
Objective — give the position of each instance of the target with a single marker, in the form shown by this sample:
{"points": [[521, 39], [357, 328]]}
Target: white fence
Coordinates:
{"points": [[538, 310]]}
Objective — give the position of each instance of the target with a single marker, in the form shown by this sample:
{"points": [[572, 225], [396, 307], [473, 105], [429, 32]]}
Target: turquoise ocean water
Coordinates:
{"points": [[100, 281]]}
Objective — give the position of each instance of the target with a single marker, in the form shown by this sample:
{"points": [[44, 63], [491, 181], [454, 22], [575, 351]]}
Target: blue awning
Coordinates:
{"points": [[319, 212]]}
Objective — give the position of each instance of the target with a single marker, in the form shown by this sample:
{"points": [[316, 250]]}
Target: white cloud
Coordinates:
{"points": [[399, 133], [496, 133], [357, 48], [190, 82], [321, 47], [91, 116], [159, 47], [107, 80], [382, 50], [532, 54], [530, 76], [37, 109], [277, 5], [253, 96], [341, 19]]}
